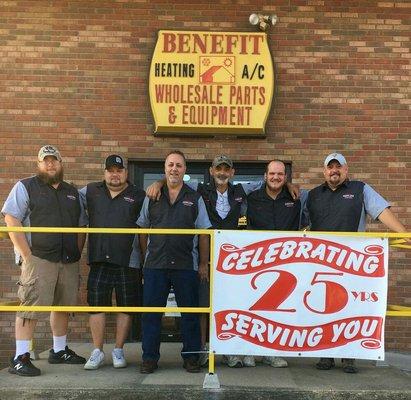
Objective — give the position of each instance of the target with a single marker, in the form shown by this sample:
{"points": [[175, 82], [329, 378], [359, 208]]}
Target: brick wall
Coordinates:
{"points": [[74, 73]]}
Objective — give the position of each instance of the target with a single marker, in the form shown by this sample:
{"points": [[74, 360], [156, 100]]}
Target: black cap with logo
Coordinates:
{"points": [[115, 161]]}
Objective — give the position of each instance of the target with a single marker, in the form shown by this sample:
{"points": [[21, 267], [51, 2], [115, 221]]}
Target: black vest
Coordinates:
{"points": [[51, 207], [172, 251], [121, 211], [339, 210], [236, 198]]}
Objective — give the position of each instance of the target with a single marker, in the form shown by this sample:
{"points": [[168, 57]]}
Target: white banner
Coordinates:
{"points": [[290, 294]]}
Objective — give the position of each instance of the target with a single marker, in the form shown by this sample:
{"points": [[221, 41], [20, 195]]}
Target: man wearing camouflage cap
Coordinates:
{"points": [[49, 261]]}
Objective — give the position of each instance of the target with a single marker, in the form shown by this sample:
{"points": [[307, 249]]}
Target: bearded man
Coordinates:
{"points": [[49, 261]]}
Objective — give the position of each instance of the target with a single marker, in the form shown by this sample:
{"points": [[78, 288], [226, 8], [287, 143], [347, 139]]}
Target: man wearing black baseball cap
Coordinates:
{"points": [[114, 161], [112, 203]]}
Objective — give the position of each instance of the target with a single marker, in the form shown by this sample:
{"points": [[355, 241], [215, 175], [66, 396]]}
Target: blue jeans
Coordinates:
{"points": [[157, 283]]}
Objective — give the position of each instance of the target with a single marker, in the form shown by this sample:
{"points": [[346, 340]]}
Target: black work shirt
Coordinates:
{"points": [[187, 212], [104, 211], [266, 213]]}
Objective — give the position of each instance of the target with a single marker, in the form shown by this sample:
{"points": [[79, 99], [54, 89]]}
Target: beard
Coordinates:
{"points": [[116, 186], [221, 179], [51, 180], [335, 180]]}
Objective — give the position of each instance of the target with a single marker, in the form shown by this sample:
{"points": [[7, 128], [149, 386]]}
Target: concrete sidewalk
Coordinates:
{"points": [[300, 381]]}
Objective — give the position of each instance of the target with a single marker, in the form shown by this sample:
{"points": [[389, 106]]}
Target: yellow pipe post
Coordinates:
{"points": [[211, 358]]}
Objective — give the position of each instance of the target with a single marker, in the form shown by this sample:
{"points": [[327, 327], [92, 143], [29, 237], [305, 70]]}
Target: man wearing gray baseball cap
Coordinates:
{"points": [[341, 205]]}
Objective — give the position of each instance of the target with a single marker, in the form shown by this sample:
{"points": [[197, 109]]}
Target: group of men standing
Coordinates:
{"points": [[49, 261]]}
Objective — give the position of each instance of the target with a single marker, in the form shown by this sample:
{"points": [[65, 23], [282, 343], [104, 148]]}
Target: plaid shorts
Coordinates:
{"points": [[104, 278]]}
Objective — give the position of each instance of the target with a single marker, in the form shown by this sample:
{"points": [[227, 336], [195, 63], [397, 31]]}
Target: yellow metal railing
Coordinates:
{"points": [[396, 240]]}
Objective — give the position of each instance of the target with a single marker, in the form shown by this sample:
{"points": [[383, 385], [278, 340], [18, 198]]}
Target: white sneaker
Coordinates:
{"points": [[96, 359], [249, 361], [118, 358], [275, 362], [233, 361]]}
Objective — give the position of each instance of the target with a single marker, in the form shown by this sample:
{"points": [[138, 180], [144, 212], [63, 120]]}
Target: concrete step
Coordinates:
{"points": [[300, 381]]}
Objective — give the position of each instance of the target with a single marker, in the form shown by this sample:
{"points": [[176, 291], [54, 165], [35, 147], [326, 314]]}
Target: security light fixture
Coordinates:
{"points": [[263, 21]]}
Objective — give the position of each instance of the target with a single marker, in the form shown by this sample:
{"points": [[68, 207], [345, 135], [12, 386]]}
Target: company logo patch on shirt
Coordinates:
{"points": [[348, 196], [187, 203], [71, 197], [289, 204], [129, 199], [239, 199]]}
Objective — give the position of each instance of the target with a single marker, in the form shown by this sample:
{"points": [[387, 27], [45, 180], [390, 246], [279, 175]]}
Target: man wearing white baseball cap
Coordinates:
{"points": [[341, 205]]}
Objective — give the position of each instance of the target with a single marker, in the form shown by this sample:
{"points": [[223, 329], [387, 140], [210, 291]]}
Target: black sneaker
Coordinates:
{"points": [[65, 356], [148, 366], [22, 366], [191, 364], [348, 365]]}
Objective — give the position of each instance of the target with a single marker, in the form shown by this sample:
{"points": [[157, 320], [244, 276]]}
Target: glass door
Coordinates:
{"points": [[144, 173]]}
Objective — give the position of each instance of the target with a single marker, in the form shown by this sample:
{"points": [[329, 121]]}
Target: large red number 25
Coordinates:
{"points": [[336, 296], [277, 293]]}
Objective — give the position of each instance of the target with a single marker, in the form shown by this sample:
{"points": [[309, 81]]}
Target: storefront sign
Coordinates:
{"points": [[211, 82], [286, 294]]}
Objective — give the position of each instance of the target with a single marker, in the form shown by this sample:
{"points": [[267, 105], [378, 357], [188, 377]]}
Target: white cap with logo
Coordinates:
{"points": [[335, 156]]}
